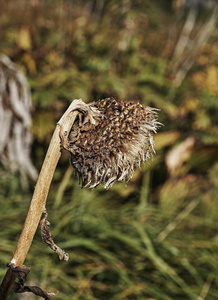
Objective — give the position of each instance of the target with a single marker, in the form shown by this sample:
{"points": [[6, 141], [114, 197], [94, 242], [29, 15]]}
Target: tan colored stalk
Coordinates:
{"points": [[38, 202]]}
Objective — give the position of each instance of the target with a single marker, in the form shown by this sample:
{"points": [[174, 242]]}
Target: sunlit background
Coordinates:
{"points": [[155, 237]]}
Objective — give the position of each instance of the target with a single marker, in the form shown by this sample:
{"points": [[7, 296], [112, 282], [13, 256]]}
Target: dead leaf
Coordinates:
{"points": [[177, 156]]}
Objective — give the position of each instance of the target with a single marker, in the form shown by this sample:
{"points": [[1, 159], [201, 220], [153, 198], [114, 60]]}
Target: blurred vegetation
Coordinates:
{"points": [[157, 236]]}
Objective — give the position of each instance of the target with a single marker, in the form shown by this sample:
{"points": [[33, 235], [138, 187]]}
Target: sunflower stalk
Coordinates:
{"points": [[108, 141], [38, 202]]}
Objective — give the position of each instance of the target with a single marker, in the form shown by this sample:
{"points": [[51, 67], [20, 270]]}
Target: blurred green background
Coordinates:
{"points": [[155, 237]]}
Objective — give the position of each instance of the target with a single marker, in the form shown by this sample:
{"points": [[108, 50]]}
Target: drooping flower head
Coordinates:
{"points": [[114, 145]]}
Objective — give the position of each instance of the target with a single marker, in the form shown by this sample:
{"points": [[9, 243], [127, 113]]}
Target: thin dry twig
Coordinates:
{"points": [[195, 47], [184, 37], [47, 237]]}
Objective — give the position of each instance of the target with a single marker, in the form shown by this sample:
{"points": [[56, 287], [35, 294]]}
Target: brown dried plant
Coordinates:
{"points": [[15, 119], [107, 140], [114, 146]]}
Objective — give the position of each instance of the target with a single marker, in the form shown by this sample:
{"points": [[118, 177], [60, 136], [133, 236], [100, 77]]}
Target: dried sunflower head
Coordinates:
{"points": [[112, 146]]}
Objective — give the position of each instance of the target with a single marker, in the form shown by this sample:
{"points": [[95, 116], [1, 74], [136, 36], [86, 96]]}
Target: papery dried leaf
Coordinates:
{"points": [[47, 237], [177, 156], [21, 272], [15, 118], [18, 288]]}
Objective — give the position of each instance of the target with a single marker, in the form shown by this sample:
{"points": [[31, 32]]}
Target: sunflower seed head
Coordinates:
{"points": [[110, 144]]}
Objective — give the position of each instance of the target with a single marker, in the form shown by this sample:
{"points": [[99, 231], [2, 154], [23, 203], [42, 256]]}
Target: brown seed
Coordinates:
{"points": [[123, 126], [129, 119], [125, 112], [110, 142]]}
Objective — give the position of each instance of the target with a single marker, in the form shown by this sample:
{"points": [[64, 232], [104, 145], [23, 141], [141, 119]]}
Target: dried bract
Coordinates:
{"points": [[47, 237], [113, 146]]}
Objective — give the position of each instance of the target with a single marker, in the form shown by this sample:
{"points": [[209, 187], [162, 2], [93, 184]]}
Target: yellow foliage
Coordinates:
{"points": [[202, 120], [24, 38], [212, 79], [191, 104], [207, 79], [203, 60], [54, 59], [198, 79], [30, 63]]}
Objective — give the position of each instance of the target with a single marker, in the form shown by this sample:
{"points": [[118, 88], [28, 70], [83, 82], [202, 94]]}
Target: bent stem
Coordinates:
{"points": [[38, 202]]}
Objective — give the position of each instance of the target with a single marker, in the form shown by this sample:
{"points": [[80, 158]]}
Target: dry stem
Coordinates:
{"points": [[38, 202]]}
